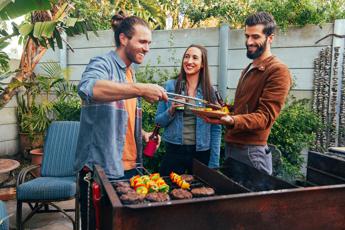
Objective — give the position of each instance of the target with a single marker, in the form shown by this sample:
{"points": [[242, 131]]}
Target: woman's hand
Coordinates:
{"points": [[174, 105]]}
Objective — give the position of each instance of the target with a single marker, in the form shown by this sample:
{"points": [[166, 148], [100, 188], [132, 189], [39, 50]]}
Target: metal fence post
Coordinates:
{"points": [[222, 79], [63, 53]]}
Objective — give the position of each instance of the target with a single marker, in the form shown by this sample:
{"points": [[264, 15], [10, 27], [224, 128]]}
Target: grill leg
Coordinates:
{"points": [[76, 216], [19, 215]]}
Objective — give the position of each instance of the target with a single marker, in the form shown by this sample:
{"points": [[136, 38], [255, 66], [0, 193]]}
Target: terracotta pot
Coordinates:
{"points": [[36, 159]]}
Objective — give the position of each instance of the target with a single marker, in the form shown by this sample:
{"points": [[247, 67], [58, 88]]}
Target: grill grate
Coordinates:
{"points": [[195, 183]]}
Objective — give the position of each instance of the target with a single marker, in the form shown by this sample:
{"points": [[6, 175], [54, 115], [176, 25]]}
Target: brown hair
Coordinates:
{"points": [[263, 18], [120, 23], [204, 76]]}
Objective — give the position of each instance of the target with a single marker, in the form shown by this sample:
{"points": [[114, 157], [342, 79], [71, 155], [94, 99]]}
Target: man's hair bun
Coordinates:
{"points": [[117, 19]]}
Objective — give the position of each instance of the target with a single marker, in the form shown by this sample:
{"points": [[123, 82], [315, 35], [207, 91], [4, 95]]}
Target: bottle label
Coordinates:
{"points": [[150, 148]]}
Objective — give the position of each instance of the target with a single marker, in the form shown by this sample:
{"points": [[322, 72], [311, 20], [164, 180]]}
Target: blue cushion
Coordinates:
{"points": [[47, 188], [3, 213], [59, 149]]}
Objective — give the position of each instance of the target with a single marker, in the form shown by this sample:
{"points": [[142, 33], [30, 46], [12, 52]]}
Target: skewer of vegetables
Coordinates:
{"points": [[179, 181], [146, 184]]}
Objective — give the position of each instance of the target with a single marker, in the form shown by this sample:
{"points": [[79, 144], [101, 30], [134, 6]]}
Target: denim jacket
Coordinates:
{"points": [[103, 125], [208, 136]]}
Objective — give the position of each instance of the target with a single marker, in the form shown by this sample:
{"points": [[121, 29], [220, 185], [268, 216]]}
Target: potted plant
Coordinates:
{"points": [[35, 106]]}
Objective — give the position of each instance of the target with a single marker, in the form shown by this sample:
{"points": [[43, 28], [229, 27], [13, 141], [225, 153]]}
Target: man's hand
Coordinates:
{"points": [[153, 92], [224, 120]]}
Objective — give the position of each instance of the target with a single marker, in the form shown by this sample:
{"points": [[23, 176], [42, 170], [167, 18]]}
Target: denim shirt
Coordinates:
{"points": [[103, 125], [208, 136]]}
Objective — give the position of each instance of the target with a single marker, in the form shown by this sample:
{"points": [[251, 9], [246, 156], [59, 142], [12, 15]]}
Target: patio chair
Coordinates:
{"points": [[58, 179], [4, 225]]}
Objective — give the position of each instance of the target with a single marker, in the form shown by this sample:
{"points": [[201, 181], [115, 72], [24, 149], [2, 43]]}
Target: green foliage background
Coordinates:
{"points": [[201, 12], [293, 131]]}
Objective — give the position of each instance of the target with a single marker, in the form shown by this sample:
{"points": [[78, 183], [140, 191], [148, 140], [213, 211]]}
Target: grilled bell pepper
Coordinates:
{"points": [[133, 179], [155, 176], [153, 188], [141, 190], [164, 188]]}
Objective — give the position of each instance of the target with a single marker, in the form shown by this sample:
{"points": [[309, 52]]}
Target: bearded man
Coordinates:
{"points": [[260, 95], [111, 133]]}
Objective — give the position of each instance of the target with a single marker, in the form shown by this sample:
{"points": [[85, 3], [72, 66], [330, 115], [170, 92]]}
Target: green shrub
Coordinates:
{"points": [[293, 131]]}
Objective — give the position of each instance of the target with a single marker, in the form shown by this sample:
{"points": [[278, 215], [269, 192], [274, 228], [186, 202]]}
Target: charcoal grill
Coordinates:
{"points": [[245, 199]]}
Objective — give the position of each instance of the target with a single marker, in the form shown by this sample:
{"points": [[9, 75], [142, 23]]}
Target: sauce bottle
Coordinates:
{"points": [[220, 99], [151, 145]]}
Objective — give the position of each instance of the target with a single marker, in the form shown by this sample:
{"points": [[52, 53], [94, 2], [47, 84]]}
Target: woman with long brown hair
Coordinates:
{"points": [[186, 136]]}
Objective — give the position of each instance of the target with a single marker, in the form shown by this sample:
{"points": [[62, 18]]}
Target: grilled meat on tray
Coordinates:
{"points": [[157, 197], [180, 194], [132, 198], [202, 191]]}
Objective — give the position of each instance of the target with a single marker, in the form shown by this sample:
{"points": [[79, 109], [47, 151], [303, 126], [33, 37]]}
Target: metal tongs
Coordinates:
{"points": [[208, 104]]}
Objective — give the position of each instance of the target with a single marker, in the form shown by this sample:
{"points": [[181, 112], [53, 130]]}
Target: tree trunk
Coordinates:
{"points": [[31, 56]]}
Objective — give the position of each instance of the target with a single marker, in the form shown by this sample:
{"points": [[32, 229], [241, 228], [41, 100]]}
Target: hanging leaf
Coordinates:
{"points": [[61, 12], [83, 25], [25, 29], [21, 7], [38, 29], [70, 22], [69, 32], [4, 3], [3, 32], [43, 42], [48, 29], [21, 39], [51, 43], [3, 45], [58, 39]]}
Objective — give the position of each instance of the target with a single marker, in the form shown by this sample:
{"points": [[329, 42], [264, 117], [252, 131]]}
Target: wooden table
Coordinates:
{"points": [[7, 166], [7, 189]]}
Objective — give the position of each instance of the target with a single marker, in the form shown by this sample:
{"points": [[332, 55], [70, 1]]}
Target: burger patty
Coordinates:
{"points": [[202, 191], [124, 190], [157, 197], [132, 198], [122, 184], [180, 194], [187, 177]]}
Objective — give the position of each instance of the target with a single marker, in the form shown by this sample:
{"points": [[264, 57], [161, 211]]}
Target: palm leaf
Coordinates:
{"points": [[52, 69], [25, 29]]}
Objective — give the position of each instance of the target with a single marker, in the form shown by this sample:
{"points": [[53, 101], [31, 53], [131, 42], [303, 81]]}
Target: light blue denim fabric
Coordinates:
{"points": [[103, 125], [207, 136]]}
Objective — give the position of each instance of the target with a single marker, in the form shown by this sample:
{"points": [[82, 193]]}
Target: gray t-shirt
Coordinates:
{"points": [[189, 121]]}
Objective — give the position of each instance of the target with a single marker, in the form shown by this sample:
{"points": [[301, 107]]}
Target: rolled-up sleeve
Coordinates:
{"points": [[97, 69]]}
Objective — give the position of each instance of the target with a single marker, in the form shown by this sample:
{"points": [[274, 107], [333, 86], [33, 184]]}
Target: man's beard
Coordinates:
{"points": [[131, 56], [260, 49], [130, 53]]}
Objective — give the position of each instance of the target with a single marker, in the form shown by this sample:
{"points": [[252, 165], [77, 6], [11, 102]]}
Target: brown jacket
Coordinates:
{"points": [[260, 95]]}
